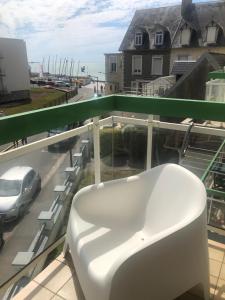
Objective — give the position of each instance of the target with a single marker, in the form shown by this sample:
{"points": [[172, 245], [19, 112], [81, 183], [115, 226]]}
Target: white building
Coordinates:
{"points": [[14, 71], [113, 73]]}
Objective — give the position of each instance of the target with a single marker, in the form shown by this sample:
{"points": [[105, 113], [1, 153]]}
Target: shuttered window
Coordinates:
{"points": [[137, 64], [157, 65], [212, 32], [185, 37]]}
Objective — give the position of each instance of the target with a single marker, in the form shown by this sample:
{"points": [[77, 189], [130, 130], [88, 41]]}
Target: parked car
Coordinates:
{"points": [[18, 186], [63, 145], [62, 83]]}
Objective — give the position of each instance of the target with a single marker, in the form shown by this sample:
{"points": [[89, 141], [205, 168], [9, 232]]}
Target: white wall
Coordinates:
{"points": [[14, 64], [114, 79]]}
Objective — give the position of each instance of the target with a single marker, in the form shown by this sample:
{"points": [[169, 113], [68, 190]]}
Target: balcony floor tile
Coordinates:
{"points": [[220, 290], [214, 267], [34, 291], [56, 297], [68, 291], [59, 280], [216, 251], [54, 276]]}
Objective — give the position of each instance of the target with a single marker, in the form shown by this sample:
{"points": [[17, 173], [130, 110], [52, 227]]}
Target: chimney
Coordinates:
{"points": [[186, 7]]}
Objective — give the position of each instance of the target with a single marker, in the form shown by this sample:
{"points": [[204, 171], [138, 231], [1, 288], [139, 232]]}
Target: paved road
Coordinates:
{"points": [[19, 234], [86, 92]]}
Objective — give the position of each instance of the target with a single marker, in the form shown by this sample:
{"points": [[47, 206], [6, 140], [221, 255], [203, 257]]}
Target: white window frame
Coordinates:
{"points": [[138, 40], [188, 31], [159, 38], [181, 57], [112, 60], [157, 57], [212, 41], [136, 71]]}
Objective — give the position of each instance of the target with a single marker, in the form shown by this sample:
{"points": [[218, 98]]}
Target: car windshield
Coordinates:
{"points": [[9, 187]]}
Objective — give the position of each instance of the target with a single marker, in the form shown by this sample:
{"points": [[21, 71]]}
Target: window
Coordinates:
{"points": [[185, 36], [137, 64], [212, 32], [159, 38], [138, 38], [29, 178], [133, 85], [183, 57], [112, 64], [157, 65]]}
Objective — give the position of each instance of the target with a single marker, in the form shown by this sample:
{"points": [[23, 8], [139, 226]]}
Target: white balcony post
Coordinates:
{"points": [[96, 149], [149, 142], [210, 91]]}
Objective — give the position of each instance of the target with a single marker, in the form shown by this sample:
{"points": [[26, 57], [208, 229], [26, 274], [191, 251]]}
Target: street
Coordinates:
{"points": [[19, 234]]}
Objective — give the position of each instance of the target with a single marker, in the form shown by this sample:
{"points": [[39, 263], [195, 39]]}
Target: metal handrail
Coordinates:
{"points": [[212, 162], [184, 146]]}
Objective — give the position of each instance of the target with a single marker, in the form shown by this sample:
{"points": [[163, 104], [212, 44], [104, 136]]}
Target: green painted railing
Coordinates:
{"points": [[25, 124], [207, 171], [220, 74], [212, 192], [21, 125], [215, 193]]}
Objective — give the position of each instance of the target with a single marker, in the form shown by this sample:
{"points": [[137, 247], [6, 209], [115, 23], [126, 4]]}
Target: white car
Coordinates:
{"points": [[62, 83], [18, 186]]}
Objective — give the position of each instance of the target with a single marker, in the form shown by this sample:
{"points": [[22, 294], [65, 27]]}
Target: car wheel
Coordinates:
{"points": [[21, 212], [38, 188], [2, 242]]}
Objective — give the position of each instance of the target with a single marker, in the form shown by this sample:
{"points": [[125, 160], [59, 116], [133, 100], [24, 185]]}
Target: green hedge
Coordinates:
{"points": [[135, 141], [128, 144]]}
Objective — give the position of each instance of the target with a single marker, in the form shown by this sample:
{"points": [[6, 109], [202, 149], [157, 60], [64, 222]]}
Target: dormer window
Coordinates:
{"points": [[185, 36], [212, 33], [138, 38], [159, 37]]}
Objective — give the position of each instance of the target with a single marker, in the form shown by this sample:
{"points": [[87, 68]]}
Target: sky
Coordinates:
{"points": [[82, 30]]}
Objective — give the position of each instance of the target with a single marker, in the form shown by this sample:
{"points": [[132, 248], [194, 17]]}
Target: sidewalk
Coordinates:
{"points": [[6, 146]]}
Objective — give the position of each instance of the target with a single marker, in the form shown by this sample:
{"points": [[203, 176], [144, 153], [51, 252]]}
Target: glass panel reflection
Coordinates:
{"points": [[35, 201]]}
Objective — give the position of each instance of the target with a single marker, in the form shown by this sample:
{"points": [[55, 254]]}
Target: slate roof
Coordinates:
{"points": [[181, 67], [170, 17], [192, 84]]}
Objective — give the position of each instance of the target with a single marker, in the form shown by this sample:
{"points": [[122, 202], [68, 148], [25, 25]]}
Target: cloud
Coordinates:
{"points": [[79, 29]]}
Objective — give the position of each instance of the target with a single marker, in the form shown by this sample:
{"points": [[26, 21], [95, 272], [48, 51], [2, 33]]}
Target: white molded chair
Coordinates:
{"points": [[142, 237]]}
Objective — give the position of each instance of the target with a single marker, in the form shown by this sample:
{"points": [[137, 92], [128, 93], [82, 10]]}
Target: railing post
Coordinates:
{"points": [[149, 142], [96, 149], [209, 91]]}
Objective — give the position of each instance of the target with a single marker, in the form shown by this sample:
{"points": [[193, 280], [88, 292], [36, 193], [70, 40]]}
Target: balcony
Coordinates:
{"points": [[59, 279], [120, 136]]}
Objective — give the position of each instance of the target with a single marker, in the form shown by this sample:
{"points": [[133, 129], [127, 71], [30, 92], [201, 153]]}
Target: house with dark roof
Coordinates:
{"points": [[158, 38]]}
